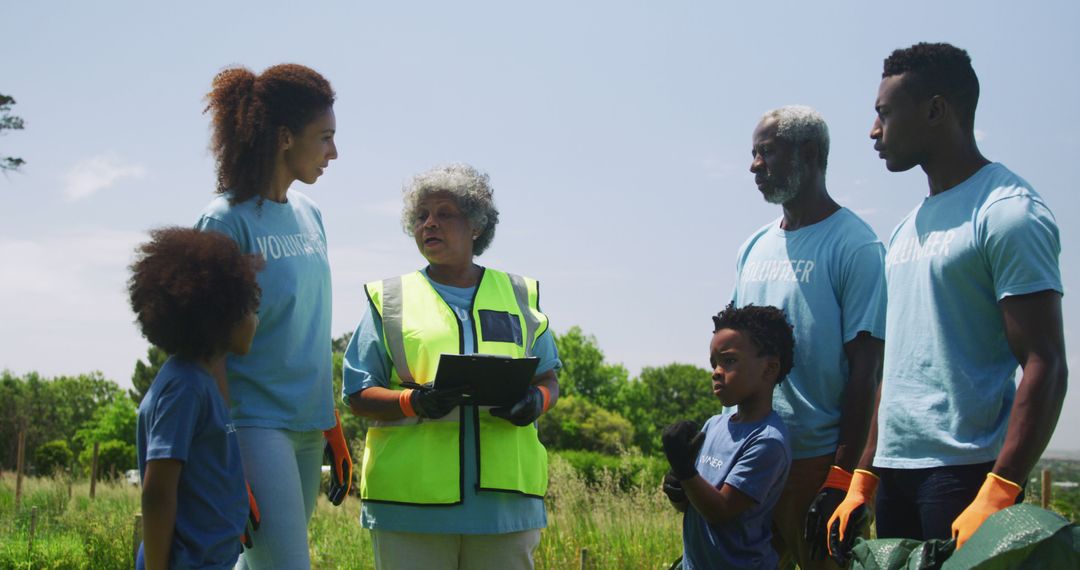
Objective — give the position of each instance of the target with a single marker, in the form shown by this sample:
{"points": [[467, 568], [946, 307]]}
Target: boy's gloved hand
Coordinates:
{"points": [[337, 454], [527, 410], [434, 404], [830, 496], [682, 442], [674, 489], [254, 519], [850, 519], [995, 494]]}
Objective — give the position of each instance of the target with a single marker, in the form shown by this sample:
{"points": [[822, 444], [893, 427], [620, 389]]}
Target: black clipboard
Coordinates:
{"points": [[489, 380]]}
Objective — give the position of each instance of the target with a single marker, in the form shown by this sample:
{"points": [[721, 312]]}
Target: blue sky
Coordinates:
{"points": [[616, 134]]}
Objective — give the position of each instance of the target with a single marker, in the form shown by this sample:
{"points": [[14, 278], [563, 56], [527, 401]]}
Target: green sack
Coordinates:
{"points": [[1021, 536], [901, 553]]}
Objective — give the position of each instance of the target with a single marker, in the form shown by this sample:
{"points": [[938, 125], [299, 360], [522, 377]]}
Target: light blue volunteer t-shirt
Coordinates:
{"points": [[184, 417], [754, 458], [949, 373], [829, 279], [366, 364], [285, 381]]}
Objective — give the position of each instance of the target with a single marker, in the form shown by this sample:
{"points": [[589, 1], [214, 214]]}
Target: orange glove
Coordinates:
{"points": [[254, 519], [995, 494], [851, 516], [337, 453]]}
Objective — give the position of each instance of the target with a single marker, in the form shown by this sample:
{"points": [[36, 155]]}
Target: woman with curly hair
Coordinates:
{"points": [[195, 296], [446, 483], [269, 131]]}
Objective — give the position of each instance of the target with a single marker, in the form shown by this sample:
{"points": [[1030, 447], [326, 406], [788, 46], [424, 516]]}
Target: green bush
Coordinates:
{"points": [[667, 394], [52, 457], [576, 423], [114, 457], [114, 421], [628, 472]]}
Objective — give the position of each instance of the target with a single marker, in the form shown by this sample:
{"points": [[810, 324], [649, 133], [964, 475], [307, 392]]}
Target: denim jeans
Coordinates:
{"points": [[923, 503]]}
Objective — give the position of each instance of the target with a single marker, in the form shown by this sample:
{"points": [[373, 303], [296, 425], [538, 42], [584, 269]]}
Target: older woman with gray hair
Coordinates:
{"points": [[445, 483]]}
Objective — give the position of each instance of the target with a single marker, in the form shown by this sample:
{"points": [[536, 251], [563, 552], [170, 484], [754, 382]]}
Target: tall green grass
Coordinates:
{"points": [[624, 522], [632, 528], [76, 533]]}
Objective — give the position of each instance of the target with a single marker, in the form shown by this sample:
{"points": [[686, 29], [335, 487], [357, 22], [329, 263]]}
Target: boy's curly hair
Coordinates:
{"points": [[767, 327], [189, 290], [248, 110]]}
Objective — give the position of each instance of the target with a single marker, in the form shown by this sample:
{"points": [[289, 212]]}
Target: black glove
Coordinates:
{"points": [[674, 489], [525, 411], [682, 442], [817, 520], [434, 404]]}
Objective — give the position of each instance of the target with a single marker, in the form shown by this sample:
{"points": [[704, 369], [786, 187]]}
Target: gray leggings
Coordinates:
{"points": [[283, 469]]}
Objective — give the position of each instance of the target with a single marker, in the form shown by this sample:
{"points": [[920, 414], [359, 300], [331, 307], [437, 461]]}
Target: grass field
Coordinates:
{"points": [[621, 528]]}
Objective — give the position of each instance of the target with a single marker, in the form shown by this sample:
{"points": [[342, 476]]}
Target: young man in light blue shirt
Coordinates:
{"points": [[824, 267], [974, 290]]}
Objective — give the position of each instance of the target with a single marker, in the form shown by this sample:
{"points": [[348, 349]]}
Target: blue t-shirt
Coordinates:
{"points": [[183, 417], [754, 458], [285, 381], [949, 373], [829, 278], [366, 364]]}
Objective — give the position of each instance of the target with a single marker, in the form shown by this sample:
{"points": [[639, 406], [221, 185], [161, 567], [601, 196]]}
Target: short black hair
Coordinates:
{"points": [[768, 329], [189, 290], [938, 69]]}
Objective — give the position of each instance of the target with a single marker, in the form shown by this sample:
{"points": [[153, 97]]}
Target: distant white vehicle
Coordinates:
{"points": [[132, 476]]}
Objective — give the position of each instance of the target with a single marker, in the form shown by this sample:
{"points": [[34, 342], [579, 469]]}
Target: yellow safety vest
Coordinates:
{"points": [[420, 461]]}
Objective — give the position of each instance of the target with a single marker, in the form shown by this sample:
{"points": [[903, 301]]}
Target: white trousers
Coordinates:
{"points": [[409, 550]]}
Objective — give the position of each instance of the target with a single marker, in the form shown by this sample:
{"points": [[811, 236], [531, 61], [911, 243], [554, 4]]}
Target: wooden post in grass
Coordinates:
{"points": [[19, 468], [584, 558], [93, 472], [136, 538], [33, 527], [1047, 489]]}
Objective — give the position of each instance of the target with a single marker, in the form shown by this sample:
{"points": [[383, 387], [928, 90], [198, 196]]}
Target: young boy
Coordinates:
{"points": [[195, 297], [730, 472]]}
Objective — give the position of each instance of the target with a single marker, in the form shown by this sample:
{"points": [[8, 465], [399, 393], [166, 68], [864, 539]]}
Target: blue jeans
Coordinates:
{"points": [[283, 469], [923, 503]]}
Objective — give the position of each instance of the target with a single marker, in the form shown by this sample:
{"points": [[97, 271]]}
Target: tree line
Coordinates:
{"points": [[601, 409]]}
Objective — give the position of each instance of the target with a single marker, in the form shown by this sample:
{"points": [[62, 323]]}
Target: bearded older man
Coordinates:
{"points": [[825, 268]]}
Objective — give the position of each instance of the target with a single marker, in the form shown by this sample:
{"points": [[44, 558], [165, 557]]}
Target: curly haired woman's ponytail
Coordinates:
{"points": [[247, 111]]}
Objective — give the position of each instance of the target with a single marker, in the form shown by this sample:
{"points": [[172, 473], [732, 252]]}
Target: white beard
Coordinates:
{"points": [[784, 191]]}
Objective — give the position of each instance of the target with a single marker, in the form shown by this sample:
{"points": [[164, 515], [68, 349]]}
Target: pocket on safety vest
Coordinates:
{"points": [[500, 326]]}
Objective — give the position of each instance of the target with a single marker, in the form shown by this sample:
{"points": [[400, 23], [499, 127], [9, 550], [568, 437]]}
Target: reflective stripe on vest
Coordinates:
{"points": [[419, 461]]}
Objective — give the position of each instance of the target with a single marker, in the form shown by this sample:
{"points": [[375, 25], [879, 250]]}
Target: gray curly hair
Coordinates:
{"points": [[471, 190], [798, 124]]}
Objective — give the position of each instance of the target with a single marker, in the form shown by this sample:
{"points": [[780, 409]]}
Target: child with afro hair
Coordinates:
{"points": [[195, 297], [727, 475]]}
